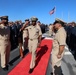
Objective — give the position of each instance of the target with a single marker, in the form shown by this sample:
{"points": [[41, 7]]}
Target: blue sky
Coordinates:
{"points": [[22, 9]]}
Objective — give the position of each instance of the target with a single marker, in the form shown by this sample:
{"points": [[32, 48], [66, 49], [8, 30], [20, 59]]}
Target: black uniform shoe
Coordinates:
{"points": [[31, 70], [51, 73], [5, 69]]}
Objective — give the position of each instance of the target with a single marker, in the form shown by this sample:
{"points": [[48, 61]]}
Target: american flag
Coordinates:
{"points": [[52, 11]]}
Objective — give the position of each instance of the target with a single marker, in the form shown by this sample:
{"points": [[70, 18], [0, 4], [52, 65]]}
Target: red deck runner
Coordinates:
{"points": [[42, 59]]}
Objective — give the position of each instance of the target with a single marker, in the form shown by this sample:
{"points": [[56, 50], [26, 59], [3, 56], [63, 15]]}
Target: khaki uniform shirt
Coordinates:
{"points": [[4, 34], [25, 34], [59, 39], [50, 30], [34, 31], [50, 27]]}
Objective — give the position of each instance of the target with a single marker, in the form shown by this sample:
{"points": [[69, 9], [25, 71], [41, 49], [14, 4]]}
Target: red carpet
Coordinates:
{"points": [[42, 60]]}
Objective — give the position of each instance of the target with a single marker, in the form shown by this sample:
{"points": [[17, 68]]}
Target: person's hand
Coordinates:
{"points": [[20, 30], [58, 56], [27, 23]]}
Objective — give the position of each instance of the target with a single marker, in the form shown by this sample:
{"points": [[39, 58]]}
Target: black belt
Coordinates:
{"points": [[32, 39]]}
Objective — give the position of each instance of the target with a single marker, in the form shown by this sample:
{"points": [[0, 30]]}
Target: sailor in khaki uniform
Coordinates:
{"points": [[4, 42], [25, 34], [34, 35], [58, 46], [51, 30]]}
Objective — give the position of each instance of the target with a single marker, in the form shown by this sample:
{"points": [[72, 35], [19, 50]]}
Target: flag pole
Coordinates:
{"points": [[55, 13]]}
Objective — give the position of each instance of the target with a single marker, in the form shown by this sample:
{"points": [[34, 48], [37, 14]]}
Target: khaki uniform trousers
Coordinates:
{"points": [[32, 44], [25, 40], [56, 62], [4, 53]]}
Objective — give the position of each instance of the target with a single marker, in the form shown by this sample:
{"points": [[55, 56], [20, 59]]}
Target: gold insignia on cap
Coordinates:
{"points": [[57, 19], [4, 17], [34, 19]]}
